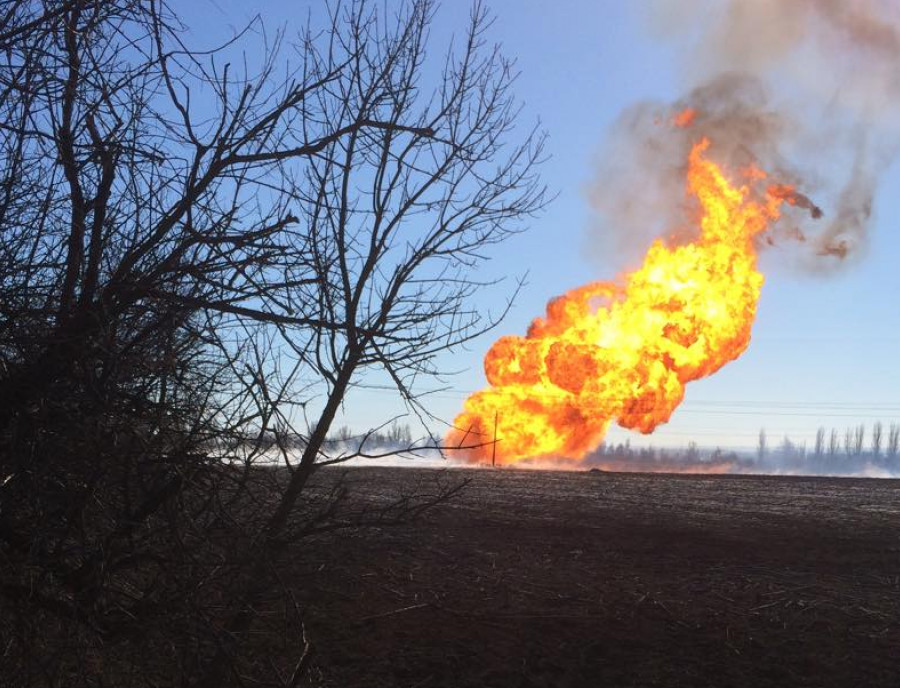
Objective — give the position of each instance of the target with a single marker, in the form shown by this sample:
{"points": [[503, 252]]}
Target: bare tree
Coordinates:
{"points": [[820, 443], [893, 441], [849, 445], [877, 431], [833, 443], [761, 447], [192, 256], [397, 219], [691, 453], [859, 438]]}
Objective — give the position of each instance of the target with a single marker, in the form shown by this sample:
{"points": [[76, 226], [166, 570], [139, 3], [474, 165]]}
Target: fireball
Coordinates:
{"points": [[623, 352]]}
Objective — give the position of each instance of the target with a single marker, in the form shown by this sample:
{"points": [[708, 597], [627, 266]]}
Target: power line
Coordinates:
{"points": [[875, 405]]}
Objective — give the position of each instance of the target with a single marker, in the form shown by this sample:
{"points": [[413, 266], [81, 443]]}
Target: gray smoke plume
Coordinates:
{"points": [[807, 90]]}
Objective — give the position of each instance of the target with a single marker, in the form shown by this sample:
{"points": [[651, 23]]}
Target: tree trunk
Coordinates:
{"points": [[213, 675]]}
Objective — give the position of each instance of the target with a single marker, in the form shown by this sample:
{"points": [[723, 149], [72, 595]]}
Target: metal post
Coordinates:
{"points": [[494, 452]]}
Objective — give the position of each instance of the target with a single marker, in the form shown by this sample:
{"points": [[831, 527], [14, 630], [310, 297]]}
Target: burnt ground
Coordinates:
{"points": [[535, 578]]}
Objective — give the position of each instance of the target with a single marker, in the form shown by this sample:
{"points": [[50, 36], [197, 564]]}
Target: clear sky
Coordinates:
{"points": [[824, 349]]}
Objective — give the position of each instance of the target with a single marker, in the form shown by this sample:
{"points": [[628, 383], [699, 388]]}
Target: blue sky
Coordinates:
{"points": [[824, 349]]}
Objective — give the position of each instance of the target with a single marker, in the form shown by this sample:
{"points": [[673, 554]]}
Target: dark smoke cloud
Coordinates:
{"points": [[807, 90]]}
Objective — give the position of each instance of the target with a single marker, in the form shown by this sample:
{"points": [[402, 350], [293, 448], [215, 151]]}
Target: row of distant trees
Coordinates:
{"points": [[642, 457], [834, 451], [880, 442], [395, 435]]}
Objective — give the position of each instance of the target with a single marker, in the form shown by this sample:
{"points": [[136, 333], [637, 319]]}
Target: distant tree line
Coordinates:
{"points": [[879, 445], [395, 435], [665, 458], [834, 451]]}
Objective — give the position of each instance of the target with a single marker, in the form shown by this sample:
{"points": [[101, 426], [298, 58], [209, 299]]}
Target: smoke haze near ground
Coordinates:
{"points": [[807, 90]]}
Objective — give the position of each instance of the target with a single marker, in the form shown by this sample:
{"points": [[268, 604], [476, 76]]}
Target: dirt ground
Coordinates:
{"points": [[537, 578]]}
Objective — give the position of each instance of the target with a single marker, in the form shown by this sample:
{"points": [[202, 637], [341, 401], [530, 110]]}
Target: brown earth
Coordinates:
{"points": [[537, 578]]}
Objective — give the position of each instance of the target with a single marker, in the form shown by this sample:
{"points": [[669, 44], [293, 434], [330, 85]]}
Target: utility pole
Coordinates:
{"points": [[494, 448]]}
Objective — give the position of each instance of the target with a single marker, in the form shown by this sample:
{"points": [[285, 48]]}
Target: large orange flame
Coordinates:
{"points": [[624, 352]]}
